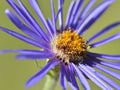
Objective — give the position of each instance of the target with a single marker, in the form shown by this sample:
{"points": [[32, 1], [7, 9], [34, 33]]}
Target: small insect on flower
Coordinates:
{"points": [[64, 46]]}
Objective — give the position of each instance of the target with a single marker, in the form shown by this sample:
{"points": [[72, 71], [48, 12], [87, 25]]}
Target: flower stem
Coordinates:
{"points": [[51, 79]]}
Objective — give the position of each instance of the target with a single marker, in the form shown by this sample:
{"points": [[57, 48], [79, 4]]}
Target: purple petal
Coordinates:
{"points": [[104, 41], [36, 8], [23, 51], [105, 56], [68, 77], [60, 16], [27, 18], [68, 17], [93, 16], [33, 21], [108, 80], [37, 77], [110, 27], [76, 11], [115, 65], [49, 22], [108, 71], [85, 11], [81, 78], [30, 54], [73, 80], [87, 8], [24, 38], [35, 56], [94, 78], [19, 12], [58, 13], [19, 24], [62, 78], [103, 77], [53, 16]]}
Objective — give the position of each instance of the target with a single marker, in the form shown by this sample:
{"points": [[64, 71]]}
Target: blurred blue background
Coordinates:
{"points": [[14, 73]]}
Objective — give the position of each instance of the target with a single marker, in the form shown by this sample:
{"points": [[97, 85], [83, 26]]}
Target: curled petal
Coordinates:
{"points": [[60, 15]]}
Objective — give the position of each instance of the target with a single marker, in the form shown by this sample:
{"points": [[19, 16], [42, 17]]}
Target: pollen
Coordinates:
{"points": [[69, 46]]}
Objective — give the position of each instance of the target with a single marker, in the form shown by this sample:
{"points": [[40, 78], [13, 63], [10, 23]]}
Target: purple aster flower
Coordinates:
{"points": [[65, 46]]}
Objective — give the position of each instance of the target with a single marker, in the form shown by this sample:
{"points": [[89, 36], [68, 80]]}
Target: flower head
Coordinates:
{"points": [[65, 46]]}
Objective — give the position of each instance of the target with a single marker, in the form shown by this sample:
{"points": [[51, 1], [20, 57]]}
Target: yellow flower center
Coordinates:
{"points": [[69, 46]]}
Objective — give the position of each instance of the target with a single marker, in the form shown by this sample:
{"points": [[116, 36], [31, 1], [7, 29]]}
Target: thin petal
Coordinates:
{"points": [[20, 24], [103, 77], [93, 16], [62, 78], [33, 21], [108, 71], [104, 41], [53, 16], [58, 13], [81, 78], [24, 38], [27, 18], [60, 16], [115, 65], [105, 30], [108, 80], [20, 12], [30, 54], [23, 51], [94, 78], [85, 11], [105, 56], [73, 80], [76, 11], [68, 77], [37, 9], [35, 56], [37, 77], [68, 17], [50, 24], [87, 8]]}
